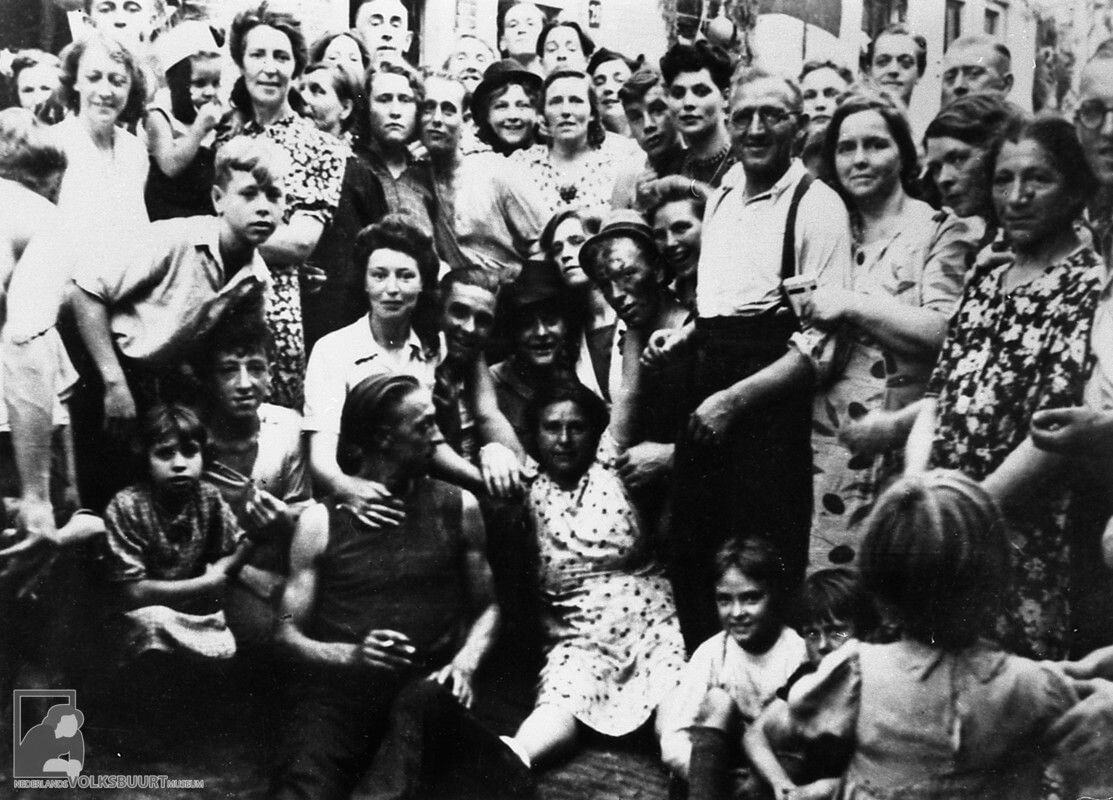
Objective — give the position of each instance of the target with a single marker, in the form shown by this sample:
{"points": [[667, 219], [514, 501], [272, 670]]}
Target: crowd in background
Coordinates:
{"points": [[782, 429]]}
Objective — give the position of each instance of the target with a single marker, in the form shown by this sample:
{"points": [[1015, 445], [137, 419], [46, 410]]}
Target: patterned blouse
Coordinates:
{"points": [[590, 183]]}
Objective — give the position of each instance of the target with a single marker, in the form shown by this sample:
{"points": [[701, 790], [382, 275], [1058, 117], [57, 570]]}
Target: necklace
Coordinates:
{"points": [[715, 163]]}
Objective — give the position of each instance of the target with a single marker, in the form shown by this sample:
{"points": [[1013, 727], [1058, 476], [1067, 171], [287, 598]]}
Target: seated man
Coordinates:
{"points": [[140, 317], [385, 628]]}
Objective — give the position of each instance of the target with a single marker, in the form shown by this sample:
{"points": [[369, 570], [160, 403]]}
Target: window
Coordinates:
{"points": [[952, 22], [992, 21]]}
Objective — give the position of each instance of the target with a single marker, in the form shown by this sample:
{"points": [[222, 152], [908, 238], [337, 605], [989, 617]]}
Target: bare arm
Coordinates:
{"points": [[174, 155], [905, 329], [489, 419], [92, 321], [371, 501], [293, 243], [308, 545], [917, 452], [625, 406], [1015, 482], [459, 673], [204, 593], [772, 725], [792, 372]]}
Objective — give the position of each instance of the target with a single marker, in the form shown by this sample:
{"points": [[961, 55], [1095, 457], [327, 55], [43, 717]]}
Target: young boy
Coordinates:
{"points": [[140, 317], [733, 675]]}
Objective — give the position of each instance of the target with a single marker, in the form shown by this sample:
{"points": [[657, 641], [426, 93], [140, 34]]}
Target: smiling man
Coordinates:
{"points": [[743, 467]]}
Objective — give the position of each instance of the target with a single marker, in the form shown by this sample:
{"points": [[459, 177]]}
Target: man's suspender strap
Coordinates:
{"points": [[788, 252]]}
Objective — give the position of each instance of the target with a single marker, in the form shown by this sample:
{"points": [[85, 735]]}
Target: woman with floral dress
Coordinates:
{"points": [[1019, 343], [582, 162], [269, 48], [613, 644], [909, 263]]}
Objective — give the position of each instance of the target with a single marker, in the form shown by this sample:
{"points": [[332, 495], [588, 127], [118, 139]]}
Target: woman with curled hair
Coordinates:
{"points": [[101, 196], [907, 275], [35, 79], [580, 165], [1019, 343], [269, 48], [344, 48]]}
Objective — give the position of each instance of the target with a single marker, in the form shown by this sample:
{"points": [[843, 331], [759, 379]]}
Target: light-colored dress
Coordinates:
{"points": [[614, 648], [928, 725], [922, 265], [589, 184]]}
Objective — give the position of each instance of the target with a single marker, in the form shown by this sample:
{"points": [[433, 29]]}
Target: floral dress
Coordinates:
{"points": [[922, 265], [587, 185], [1007, 355], [313, 182], [614, 648]]}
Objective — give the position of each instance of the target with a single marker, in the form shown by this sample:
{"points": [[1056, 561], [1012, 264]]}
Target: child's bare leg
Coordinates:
{"points": [[545, 734]]}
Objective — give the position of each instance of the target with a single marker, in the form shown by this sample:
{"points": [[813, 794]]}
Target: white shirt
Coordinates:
{"points": [[739, 271], [345, 357]]}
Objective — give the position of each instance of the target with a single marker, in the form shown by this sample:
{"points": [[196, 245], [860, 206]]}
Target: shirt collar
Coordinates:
{"points": [[207, 236], [982, 660], [736, 179]]}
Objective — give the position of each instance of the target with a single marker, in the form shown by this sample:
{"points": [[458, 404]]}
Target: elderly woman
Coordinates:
{"points": [[582, 163], [332, 96], [1019, 343], [614, 648], [504, 107], [269, 49], [908, 270]]}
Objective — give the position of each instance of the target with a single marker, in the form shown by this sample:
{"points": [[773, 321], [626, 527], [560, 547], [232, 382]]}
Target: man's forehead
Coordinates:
{"points": [[762, 91], [474, 297], [974, 55], [1097, 79], [387, 9], [442, 90], [522, 12]]}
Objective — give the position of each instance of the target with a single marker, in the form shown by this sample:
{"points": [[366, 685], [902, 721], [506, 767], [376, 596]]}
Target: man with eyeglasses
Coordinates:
{"points": [[976, 63], [743, 466]]}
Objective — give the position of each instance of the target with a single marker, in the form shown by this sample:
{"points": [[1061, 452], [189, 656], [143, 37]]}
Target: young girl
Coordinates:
{"points": [[180, 123], [942, 713], [834, 609], [733, 675], [173, 545]]}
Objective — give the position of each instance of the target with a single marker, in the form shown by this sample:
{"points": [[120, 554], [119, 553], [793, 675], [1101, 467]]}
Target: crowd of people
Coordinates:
{"points": [[783, 428]]}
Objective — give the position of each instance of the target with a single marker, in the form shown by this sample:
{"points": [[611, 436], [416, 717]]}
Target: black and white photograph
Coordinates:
{"points": [[556, 399]]}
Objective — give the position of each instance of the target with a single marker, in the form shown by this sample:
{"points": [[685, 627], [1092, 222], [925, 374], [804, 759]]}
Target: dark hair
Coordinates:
{"points": [[604, 56], [586, 45], [28, 154], [895, 121], [239, 333], [565, 390], [694, 57], [71, 62], [398, 232], [171, 419], [264, 15], [596, 134], [837, 593], [347, 86], [898, 29], [26, 59], [1059, 141], [367, 413], [637, 86], [468, 276], [838, 69], [482, 117], [935, 555], [548, 233], [978, 119], [759, 560], [318, 48]]}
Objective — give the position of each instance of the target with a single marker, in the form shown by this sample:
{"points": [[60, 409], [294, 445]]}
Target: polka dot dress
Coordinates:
{"points": [[614, 645]]}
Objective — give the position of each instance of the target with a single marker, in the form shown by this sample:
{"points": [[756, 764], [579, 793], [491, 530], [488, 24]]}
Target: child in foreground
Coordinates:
{"points": [[834, 610], [733, 675], [941, 713], [173, 546]]}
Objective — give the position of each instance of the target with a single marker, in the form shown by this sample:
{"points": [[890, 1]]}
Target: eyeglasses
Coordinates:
{"points": [[1092, 113], [770, 116]]}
